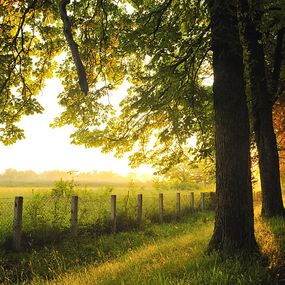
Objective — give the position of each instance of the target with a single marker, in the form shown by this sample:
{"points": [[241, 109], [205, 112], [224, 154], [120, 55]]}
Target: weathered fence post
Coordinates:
{"points": [[161, 207], [178, 204], [113, 213], [213, 201], [74, 216], [140, 201], [202, 201], [192, 200], [17, 224]]}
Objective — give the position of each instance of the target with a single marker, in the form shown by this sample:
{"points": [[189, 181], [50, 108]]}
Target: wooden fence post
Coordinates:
{"points": [[192, 200], [202, 201], [213, 200], [74, 216], [17, 224], [178, 204], [161, 207], [113, 213], [140, 201]]}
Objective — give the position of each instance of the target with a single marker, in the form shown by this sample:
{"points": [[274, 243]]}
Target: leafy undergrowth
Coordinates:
{"points": [[170, 253]]}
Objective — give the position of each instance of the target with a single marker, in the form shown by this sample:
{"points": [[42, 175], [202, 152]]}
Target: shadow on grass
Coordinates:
{"points": [[168, 253], [49, 252], [179, 259]]}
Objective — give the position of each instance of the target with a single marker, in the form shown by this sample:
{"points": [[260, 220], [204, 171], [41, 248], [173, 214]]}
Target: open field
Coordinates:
{"points": [[173, 252], [46, 211]]}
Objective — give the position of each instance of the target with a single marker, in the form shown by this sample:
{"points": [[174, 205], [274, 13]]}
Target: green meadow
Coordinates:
{"points": [[172, 252]]}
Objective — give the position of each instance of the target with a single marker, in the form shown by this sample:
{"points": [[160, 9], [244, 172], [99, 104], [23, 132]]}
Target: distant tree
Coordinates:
{"points": [[13, 175], [191, 172]]}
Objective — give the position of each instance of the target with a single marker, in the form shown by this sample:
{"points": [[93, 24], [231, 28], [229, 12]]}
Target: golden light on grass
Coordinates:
{"points": [[143, 262], [268, 243]]}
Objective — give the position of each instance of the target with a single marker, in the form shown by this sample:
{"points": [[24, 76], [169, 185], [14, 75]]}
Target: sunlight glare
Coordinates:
{"points": [[48, 149]]}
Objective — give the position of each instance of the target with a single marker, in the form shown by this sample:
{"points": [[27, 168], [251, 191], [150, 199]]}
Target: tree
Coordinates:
{"points": [[191, 173], [262, 102], [234, 215]]}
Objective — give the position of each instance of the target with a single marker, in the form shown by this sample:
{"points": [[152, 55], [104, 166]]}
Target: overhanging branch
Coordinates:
{"points": [[73, 46]]}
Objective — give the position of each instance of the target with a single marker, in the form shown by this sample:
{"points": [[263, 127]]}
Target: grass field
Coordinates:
{"points": [[170, 253], [46, 211]]}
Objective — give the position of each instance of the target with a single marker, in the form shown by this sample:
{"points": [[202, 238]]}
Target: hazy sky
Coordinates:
{"points": [[46, 149]]}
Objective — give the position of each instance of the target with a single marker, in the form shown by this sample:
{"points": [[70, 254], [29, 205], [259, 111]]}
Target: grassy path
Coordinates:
{"points": [[181, 259], [161, 254], [149, 264]]}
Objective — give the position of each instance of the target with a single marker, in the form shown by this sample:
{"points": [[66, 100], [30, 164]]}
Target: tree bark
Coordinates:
{"points": [[234, 223], [262, 102], [73, 46]]}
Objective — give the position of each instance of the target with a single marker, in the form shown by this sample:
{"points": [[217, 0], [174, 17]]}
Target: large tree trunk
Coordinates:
{"points": [[262, 101], [234, 223]]}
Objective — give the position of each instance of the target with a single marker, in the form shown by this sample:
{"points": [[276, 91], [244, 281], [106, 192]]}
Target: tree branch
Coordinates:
{"points": [[73, 47]]}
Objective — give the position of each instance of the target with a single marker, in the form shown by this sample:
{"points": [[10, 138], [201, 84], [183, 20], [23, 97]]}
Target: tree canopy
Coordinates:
{"points": [[164, 54], [28, 47], [162, 48]]}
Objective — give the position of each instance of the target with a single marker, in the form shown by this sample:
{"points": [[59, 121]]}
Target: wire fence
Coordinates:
{"points": [[45, 218]]}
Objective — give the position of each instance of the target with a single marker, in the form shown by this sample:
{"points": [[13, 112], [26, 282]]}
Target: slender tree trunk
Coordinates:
{"points": [[272, 204], [234, 223]]}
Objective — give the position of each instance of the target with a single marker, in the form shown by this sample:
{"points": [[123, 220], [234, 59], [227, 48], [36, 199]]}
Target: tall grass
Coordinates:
{"points": [[46, 214], [42, 263], [175, 255]]}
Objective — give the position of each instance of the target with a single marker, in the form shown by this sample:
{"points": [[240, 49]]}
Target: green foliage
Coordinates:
{"points": [[28, 44], [161, 48], [158, 183], [34, 210], [192, 172], [187, 176], [63, 189], [165, 57]]}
